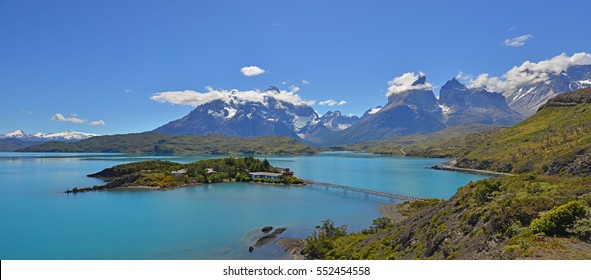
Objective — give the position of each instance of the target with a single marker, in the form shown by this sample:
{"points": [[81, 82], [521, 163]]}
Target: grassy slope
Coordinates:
{"points": [[490, 219], [454, 141], [553, 141], [155, 143], [475, 226]]}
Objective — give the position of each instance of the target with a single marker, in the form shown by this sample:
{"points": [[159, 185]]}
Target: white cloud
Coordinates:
{"points": [[101, 122], [194, 98], [527, 73], [331, 102], [494, 84], [61, 118], [294, 88], [517, 41], [250, 71], [304, 82], [127, 90], [405, 83]]}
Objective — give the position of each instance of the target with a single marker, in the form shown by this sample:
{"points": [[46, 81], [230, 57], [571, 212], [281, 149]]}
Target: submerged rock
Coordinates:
{"points": [[279, 231], [265, 239]]}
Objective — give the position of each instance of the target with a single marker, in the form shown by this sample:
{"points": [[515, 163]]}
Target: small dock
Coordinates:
{"points": [[364, 191]]}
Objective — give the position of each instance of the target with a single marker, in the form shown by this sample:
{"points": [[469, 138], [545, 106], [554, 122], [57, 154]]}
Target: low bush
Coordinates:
{"points": [[560, 219]]}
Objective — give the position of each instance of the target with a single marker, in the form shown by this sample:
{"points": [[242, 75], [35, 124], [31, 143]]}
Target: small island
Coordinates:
{"points": [[163, 175]]}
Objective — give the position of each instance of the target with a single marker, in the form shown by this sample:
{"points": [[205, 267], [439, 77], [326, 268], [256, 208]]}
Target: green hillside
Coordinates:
{"points": [[489, 219], [455, 141], [541, 213], [163, 144], [11, 144], [556, 140]]}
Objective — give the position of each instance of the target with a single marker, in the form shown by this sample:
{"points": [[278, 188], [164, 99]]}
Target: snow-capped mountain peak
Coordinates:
{"points": [[69, 135], [527, 98], [336, 121], [371, 111], [247, 114], [15, 134]]}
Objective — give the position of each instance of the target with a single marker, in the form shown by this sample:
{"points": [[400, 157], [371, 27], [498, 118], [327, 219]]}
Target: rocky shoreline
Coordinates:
{"points": [[267, 237], [108, 187], [293, 246], [450, 166]]}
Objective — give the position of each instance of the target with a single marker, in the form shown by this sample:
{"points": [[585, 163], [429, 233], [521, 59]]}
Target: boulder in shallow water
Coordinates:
{"points": [[267, 229]]}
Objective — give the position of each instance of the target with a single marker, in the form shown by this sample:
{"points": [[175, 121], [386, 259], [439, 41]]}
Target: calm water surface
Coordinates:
{"points": [[39, 221]]}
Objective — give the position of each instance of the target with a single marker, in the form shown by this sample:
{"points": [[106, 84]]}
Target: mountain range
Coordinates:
{"points": [[411, 108], [415, 110], [528, 97], [67, 135], [460, 105], [18, 139], [242, 117]]}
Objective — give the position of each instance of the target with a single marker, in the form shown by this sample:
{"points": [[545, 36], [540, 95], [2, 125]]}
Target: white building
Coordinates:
{"points": [[179, 173]]}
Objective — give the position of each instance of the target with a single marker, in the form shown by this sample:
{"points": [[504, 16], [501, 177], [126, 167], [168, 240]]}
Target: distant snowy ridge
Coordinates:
{"points": [[67, 135]]}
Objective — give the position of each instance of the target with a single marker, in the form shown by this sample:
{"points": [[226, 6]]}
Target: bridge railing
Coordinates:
{"points": [[361, 190]]}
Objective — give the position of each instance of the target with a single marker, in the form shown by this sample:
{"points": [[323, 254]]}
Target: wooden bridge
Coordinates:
{"points": [[364, 191]]}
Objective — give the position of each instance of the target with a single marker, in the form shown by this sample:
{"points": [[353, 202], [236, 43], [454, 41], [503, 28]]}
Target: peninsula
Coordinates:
{"points": [[162, 175]]}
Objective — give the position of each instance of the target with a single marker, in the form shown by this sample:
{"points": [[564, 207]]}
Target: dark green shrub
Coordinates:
{"points": [[380, 224], [558, 220], [587, 199], [530, 176], [484, 190], [514, 229], [322, 239]]}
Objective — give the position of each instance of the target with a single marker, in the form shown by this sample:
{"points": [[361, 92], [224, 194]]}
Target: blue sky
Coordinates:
{"points": [[93, 61]]}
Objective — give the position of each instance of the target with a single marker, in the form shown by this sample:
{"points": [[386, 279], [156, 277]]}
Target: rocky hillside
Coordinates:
{"points": [[542, 212], [337, 121], [488, 219], [461, 105], [556, 140], [407, 112]]}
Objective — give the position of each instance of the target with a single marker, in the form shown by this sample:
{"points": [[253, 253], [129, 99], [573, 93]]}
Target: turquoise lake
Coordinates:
{"points": [[219, 221]]}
